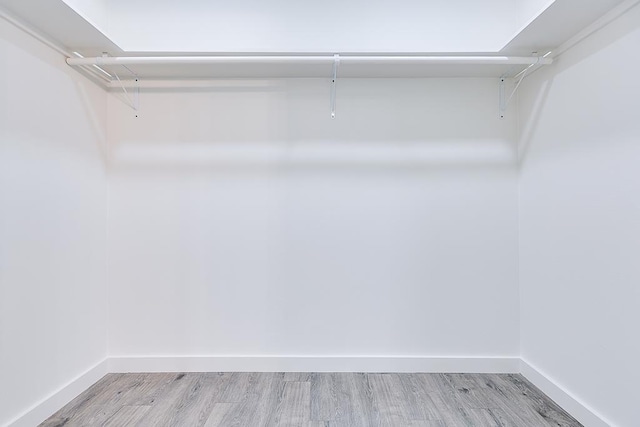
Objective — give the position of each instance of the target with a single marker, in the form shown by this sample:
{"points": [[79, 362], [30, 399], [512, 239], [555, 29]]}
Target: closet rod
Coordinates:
{"points": [[310, 59]]}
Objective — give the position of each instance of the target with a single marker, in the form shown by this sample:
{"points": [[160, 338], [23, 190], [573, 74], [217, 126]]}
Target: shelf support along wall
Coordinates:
{"points": [[133, 102], [504, 101]]}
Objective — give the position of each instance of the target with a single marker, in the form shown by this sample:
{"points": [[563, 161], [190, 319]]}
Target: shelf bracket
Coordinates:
{"points": [[504, 101], [336, 62], [132, 100]]}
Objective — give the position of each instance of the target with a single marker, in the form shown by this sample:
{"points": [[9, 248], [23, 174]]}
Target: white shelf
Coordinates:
{"points": [[310, 66]]}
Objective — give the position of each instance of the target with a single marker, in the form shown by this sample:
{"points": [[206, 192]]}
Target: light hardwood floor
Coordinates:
{"points": [[311, 400]]}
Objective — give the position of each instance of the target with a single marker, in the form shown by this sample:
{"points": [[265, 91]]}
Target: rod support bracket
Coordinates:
{"points": [[502, 106], [504, 100], [336, 63], [133, 99]]}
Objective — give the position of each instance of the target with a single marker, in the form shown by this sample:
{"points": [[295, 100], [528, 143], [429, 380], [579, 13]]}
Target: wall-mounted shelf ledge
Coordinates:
{"points": [[315, 65], [310, 59]]}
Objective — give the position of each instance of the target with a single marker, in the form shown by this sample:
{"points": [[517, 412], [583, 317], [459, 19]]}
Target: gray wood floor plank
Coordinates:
{"points": [[468, 391], [323, 397], [355, 404], [347, 404], [484, 417], [259, 403], [126, 390], [424, 423], [421, 385], [218, 412], [446, 411], [297, 376], [147, 389], [508, 397], [415, 394], [427, 382], [345, 410], [237, 387], [169, 402], [294, 408], [55, 421], [127, 416], [365, 411], [461, 381], [314, 400], [504, 419], [95, 415], [195, 405], [390, 400], [236, 414], [257, 395], [266, 397]]}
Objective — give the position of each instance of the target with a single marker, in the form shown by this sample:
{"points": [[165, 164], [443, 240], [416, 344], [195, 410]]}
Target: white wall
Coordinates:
{"points": [[330, 26], [244, 221], [52, 223], [580, 221]]}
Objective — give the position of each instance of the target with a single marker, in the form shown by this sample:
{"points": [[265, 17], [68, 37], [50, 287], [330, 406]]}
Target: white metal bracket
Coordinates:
{"points": [[504, 101], [503, 104], [133, 100], [336, 62]]}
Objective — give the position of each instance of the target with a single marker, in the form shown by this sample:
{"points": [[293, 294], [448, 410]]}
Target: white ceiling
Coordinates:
{"points": [[312, 26]]}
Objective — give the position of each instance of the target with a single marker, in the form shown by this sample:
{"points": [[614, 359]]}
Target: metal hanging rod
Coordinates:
{"points": [[310, 59]]}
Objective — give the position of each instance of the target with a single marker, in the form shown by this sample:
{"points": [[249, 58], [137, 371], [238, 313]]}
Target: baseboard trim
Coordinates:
{"points": [[578, 409], [65, 394], [314, 364]]}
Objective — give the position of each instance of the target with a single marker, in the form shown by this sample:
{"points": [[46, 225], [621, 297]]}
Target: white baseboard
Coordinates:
{"points": [[578, 409], [50, 405], [314, 364]]}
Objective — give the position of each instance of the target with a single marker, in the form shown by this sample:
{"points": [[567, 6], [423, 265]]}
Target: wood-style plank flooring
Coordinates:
{"points": [[312, 400]]}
